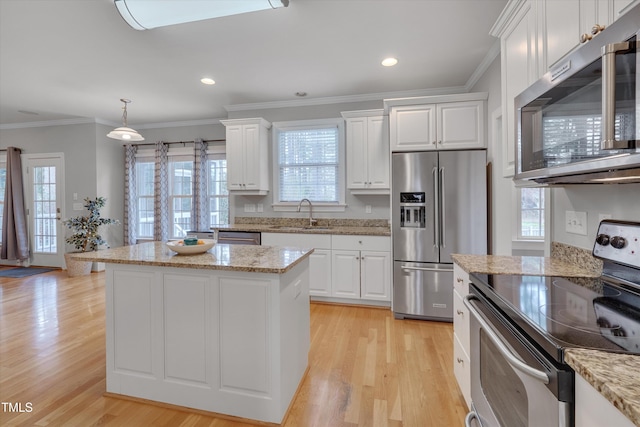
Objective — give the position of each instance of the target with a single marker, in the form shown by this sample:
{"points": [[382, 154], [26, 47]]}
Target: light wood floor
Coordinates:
{"points": [[365, 367]]}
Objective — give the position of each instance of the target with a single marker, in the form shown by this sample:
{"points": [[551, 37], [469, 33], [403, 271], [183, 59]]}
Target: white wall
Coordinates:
{"points": [[622, 201], [76, 142]]}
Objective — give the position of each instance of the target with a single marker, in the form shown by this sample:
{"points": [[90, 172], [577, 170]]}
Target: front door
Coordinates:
{"points": [[44, 194]]}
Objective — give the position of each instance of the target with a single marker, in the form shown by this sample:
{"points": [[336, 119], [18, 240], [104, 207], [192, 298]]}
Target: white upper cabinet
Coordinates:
{"points": [[519, 64], [367, 152], [247, 155], [567, 24], [460, 125], [443, 125]]}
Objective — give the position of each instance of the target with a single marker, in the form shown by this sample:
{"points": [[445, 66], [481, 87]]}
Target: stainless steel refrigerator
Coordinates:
{"points": [[439, 207]]}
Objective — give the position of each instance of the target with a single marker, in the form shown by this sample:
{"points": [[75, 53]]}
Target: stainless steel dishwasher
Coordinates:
{"points": [[240, 237], [230, 237]]}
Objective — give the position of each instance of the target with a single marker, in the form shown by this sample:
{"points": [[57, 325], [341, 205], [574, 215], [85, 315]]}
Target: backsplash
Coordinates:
{"points": [[323, 222], [576, 256]]}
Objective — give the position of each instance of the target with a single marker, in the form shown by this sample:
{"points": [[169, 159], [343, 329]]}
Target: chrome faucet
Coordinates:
{"points": [[311, 220]]}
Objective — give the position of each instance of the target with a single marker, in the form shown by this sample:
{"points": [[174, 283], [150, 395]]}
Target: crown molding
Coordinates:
{"points": [[62, 122], [493, 53], [506, 16], [203, 122], [343, 99]]}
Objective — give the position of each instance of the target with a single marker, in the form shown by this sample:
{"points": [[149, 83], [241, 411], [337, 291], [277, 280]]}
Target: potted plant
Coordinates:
{"points": [[85, 237]]}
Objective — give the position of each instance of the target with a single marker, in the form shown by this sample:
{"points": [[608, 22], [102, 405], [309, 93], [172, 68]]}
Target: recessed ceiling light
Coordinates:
{"points": [[389, 62], [208, 81]]}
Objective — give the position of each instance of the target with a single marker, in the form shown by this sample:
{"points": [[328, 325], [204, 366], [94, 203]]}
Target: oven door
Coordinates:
{"points": [[509, 379]]}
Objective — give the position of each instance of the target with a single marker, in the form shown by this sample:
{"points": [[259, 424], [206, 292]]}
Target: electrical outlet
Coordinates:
{"points": [[576, 222], [260, 207], [367, 208], [577, 307]]}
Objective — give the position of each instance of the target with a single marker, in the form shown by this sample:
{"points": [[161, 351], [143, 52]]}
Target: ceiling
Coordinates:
{"points": [[68, 59]]}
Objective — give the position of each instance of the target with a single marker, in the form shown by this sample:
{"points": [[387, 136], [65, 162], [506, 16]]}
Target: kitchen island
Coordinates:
{"points": [[226, 331]]}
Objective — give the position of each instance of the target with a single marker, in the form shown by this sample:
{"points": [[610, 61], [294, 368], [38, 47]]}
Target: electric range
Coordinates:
{"points": [[555, 313]]}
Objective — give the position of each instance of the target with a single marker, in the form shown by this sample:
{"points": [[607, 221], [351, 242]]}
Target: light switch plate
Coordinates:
{"points": [[249, 207], [576, 222]]}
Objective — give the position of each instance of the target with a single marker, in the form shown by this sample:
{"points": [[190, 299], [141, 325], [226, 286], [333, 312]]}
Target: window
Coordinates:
{"points": [[180, 196], [217, 190], [531, 221], [144, 186], [309, 162], [180, 190]]}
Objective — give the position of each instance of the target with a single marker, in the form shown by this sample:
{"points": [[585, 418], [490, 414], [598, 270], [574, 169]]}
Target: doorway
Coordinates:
{"points": [[44, 196]]}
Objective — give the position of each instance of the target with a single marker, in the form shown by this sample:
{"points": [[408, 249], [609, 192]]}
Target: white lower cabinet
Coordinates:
{"points": [[343, 267], [319, 260], [361, 267], [594, 410], [461, 337]]}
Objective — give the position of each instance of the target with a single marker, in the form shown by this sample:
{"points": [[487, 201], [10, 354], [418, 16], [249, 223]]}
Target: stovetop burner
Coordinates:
{"points": [[559, 312]]}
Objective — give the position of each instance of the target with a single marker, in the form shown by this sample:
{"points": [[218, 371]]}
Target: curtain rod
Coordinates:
{"points": [[181, 142]]}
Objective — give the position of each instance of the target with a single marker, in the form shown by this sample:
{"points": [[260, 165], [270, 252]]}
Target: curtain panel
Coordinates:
{"points": [[161, 221], [15, 240], [199, 208], [130, 195]]}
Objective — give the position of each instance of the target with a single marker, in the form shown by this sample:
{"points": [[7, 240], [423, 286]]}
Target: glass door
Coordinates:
{"points": [[44, 194]]}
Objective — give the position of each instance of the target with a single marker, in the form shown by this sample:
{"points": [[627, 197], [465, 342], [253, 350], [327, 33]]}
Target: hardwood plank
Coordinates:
{"points": [[365, 367]]}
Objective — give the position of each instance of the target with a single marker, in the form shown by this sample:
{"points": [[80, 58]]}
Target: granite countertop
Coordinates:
{"points": [[607, 372], [354, 227], [525, 265], [255, 259]]}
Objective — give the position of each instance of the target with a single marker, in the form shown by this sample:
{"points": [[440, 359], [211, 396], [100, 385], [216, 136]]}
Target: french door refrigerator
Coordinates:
{"points": [[439, 207]]}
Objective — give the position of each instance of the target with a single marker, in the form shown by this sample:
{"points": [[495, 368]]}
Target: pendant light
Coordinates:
{"points": [[125, 133]]}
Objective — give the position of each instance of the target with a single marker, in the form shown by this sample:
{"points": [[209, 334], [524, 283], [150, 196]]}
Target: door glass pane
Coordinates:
{"points": [[44, 209]]}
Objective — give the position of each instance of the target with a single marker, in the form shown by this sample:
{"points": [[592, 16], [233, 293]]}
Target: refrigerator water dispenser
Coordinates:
{"points": [[412, 210]]}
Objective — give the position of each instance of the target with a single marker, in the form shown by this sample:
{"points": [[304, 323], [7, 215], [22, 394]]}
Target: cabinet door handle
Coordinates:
{"points": [[460, 312], [459, 279], [460, 360]]}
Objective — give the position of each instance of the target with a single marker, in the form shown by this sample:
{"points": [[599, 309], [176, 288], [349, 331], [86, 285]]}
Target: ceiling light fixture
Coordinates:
{"points": [[207, 81], [389, 62], [147, 14], [125, 133]]}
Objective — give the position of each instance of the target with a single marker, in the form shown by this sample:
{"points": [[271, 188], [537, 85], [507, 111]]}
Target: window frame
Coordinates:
{"points": [[527, 243], [277, 127]]}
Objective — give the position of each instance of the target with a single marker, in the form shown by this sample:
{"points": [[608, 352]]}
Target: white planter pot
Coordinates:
{"points": [[77, 267]]}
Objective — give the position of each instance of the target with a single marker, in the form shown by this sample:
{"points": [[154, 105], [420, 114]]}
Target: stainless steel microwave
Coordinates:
{"points": [[580, 123]]}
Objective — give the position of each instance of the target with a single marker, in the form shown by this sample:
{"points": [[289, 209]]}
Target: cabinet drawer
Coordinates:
{"points": [[461, 370], [461, 321], [361, 243], [460, 280], [316, 241]]}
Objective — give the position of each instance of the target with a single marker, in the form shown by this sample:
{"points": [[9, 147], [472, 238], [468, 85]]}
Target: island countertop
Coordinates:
{"points": [[257, 259]]}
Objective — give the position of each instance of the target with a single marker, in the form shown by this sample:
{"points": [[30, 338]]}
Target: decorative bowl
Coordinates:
{"points": [[179, 247]]}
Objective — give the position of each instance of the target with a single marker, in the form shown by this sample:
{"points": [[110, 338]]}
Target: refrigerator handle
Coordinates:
{"points": [[436, 224], [442, 212]]}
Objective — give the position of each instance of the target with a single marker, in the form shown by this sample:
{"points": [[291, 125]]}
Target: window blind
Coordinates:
{"points": [[308, 164]]}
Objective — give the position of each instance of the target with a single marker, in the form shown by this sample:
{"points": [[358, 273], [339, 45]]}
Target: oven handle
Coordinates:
{"points": [[470, 416], [511, 358], [406, 268]]}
